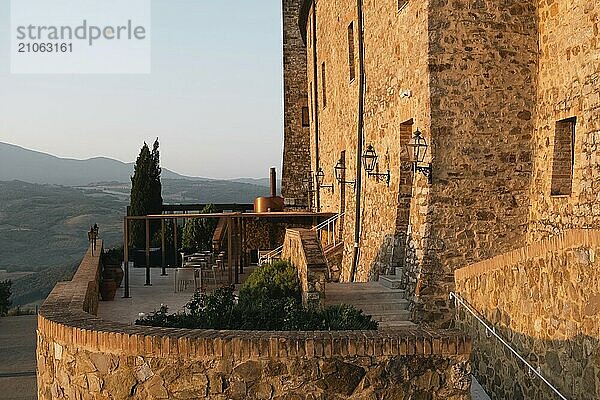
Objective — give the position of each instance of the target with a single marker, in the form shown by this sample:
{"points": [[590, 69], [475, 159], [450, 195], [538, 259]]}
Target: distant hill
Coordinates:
{"points": [[18, 163]]}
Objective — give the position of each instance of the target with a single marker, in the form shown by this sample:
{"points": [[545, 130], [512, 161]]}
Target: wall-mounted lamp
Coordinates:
{"points": [[417, 148], [340, 173], [369, 159], [321, 179]]}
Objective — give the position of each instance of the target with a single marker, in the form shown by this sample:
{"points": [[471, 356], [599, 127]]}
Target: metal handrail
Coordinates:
{"points": [[269, 256], [330, 225], [492, 330], [328, 221]]}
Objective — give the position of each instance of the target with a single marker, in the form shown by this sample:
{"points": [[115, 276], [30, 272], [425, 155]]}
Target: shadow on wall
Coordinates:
{"points": [[572, 366], [390, 258]]}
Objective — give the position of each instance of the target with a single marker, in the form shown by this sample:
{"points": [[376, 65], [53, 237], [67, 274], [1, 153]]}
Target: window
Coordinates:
{"points": [[351, 51], [305, 117], [564, 157], [324, 85], [402, 4]]}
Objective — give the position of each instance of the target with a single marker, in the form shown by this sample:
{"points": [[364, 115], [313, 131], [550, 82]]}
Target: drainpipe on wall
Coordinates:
{"points": [[315, 96], [359, 144]]}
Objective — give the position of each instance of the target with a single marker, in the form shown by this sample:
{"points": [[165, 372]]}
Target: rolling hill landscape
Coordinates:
{"points": [[47, 205]]}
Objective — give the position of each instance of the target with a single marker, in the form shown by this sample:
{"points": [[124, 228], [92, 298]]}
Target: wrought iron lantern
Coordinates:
{"points": [[340, 172], [321, 179], [369, 159], [417, 149]]}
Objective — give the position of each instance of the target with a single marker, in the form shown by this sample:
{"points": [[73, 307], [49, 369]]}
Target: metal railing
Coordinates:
{"points": [[270, 256], [329, 226], [492, 331]]}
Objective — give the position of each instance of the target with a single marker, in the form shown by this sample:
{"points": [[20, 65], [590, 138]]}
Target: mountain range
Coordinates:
{"points": [[18, 163]]}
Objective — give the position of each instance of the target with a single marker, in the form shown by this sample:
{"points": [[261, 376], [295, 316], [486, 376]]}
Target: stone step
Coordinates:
{"points": [[376, 305], [359, 296], [383, 316], [391, 281], [379, 310], [396, 324]]}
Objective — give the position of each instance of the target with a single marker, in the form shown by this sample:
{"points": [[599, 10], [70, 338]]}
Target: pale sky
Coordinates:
{"points": [[214, 97]]}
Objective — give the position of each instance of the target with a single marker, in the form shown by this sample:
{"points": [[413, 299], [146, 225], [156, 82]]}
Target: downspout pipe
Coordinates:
{"points": [[315, 96], [360, 136]]}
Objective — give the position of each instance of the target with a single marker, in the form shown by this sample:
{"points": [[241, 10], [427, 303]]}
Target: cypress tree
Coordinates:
{"points": [[146, 192]]}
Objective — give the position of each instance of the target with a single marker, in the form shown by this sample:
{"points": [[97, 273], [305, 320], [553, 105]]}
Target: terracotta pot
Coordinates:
{"points": [[115, 272], [108, 289]]}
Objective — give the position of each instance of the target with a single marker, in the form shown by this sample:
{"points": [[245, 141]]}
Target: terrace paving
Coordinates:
{"points": [[147, 299]]}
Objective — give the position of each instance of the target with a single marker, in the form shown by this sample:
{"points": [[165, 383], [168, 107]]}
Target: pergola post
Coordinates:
{"points": [[163, 249], [175, 241], [237, 251], [229, 250], [147, 253], [126, 255]]}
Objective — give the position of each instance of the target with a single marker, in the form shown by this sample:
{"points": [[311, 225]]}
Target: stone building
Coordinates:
{"points": [[506, 95], [296, 153]]}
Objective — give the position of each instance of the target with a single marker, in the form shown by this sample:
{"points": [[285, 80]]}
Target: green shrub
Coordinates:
{"points": [[275, 281], [198, 232], [219, 310], [270, 300], [113, 256]]}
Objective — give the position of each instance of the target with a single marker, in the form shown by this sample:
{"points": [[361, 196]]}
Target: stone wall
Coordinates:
{"points": [[296, 153], [395, 63], [544, 300], [83, 357], [302, 248], [568, 86], [464, 74], [482, 65]]}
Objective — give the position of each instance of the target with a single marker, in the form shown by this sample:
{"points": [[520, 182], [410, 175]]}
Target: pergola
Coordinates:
{"points": [[236, 223]]}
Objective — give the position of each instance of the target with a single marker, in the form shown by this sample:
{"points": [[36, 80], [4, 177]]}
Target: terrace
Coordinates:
{"points": [[83, 352]]}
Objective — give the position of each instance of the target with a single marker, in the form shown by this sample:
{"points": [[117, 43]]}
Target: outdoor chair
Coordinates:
{"points": [[183, 278]]}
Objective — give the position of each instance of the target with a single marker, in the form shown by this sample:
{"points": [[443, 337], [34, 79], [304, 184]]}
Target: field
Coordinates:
{"points": [[43, 228]]}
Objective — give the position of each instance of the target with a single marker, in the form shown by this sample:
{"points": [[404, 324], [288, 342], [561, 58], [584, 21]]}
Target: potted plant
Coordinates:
{"points": [[111, 259], [108, 288]]}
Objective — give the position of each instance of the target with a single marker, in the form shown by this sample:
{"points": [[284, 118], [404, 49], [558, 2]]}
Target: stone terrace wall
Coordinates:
{"points": [[83, 357], [545, 300], [303, 249]]}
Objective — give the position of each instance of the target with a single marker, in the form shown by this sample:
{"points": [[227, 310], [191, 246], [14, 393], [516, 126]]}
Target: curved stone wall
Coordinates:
{"points": [[82, 356]]}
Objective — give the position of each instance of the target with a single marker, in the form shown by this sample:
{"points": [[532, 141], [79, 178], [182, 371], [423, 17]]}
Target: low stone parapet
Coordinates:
{"points": [[303, 249], [83, 357], [544, 300]]}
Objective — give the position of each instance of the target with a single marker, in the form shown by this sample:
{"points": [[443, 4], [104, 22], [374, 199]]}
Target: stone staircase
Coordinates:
{"points": [[386, 305]]}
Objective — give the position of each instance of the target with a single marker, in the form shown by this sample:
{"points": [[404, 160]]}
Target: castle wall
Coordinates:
{"points": [[482, 65], [395, 62], [568, 86], [296, 154]]}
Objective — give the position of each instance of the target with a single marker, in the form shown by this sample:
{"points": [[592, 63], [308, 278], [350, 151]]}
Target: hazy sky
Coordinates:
{"points": [[214, 96]]}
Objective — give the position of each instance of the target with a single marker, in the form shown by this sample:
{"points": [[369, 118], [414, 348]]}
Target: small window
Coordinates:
{"points": [[324, 85], [351, 62], [564, 157], [305, 117], [402, 4]]}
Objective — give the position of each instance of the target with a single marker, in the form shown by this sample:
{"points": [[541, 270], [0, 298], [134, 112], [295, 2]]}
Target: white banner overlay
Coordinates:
{"points": [[80, 36]]}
